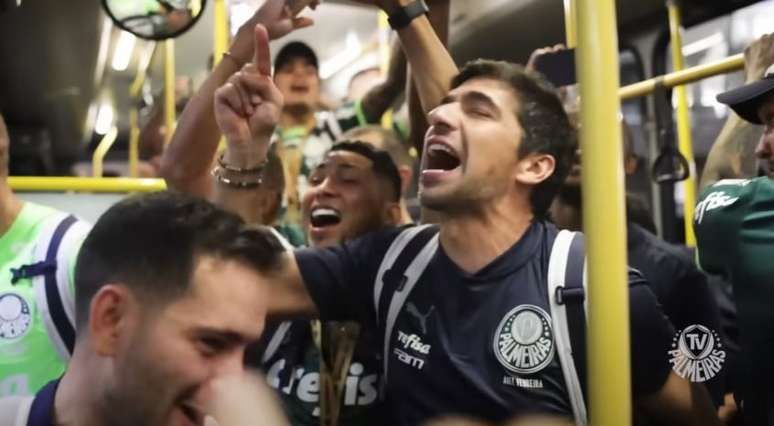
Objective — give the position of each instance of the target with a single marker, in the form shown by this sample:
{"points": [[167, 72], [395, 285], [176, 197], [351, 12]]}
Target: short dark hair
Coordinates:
{"points": [[383, 165], [151, 243], [540, 113], [293, 50]]}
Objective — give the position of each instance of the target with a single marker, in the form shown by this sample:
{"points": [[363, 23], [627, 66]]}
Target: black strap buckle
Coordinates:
{"points": [[391, 276], [32, 270], [564, 294]]}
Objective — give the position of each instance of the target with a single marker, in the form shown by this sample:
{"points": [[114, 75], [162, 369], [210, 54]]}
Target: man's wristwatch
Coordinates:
{"points": [[403, 16]]}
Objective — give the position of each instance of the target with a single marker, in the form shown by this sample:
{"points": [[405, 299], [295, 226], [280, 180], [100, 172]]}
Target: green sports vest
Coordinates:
{"points": [[31, 350]]}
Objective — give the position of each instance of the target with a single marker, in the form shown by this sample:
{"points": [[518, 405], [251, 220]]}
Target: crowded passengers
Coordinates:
{"points": [[471, 310]]}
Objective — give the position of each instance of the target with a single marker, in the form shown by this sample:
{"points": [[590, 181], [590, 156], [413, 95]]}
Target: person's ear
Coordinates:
{"points": [[392, 214], [534, 168], [110, 318]]}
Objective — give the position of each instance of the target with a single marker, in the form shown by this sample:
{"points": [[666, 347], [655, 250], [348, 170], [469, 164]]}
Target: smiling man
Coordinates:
{"points": [[169, 292], [353, 191], [356, 189]]}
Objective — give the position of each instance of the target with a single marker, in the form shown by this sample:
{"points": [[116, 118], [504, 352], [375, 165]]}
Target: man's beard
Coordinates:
{"points": [[467, 198], [141, 394]]}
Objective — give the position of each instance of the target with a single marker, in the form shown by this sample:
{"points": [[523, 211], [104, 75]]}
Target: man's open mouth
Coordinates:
{"points": [[299, 88], [324, 216], [441, 157]]}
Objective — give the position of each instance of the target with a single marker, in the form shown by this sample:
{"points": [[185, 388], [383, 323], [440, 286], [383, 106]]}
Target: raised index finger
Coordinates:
{"points": [[262, 57]]}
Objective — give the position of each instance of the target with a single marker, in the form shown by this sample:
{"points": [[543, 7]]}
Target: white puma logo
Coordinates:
{"points": [[413, 310]]}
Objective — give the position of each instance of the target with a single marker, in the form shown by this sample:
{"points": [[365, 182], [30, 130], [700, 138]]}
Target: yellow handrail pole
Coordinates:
{"points": [[688, 75], [99, 154], [134, 120], [169, 89], [603, 214], [570, 24], [685, 142], [220, 31], [84, 184], [384, 59], [134, 143]]}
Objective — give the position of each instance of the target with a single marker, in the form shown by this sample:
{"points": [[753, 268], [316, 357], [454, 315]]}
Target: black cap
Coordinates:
{"points": [[746, 100], [295, 49]]}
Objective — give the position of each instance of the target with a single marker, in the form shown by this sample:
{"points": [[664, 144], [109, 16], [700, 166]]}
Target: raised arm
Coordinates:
{"points": [[733, 154], [432, 66], [246, 110], [439, 19], [380, 97], [187, 160]]}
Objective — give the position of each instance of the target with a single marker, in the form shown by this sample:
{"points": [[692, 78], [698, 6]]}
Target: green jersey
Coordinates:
{"points": [[734, 223], [30, 356]]}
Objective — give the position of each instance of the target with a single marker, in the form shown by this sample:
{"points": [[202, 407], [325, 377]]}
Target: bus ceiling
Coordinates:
{"points": [[53, 79]]}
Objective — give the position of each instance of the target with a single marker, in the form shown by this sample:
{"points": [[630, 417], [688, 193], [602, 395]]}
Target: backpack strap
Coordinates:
{"points": [[397, 246], [405, 261], [566, 291], [59, 237]]}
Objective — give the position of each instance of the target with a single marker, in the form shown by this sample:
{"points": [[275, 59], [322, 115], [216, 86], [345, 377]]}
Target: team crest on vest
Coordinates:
{"points": [[524, 341], [15, 316]]}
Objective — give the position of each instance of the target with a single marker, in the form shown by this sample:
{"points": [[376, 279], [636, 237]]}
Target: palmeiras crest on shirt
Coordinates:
{"points": [[15, 316], [524, 341]]}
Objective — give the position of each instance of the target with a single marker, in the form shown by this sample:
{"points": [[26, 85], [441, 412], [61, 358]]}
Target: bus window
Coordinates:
{"points": [[633, 111], [708, 42]]}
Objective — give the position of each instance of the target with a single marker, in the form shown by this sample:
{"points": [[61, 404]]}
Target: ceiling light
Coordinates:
{"points": [[123, 52], [104, 119]]}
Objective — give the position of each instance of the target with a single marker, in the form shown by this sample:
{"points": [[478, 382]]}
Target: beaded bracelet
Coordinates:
{"points": [[248, 170], [239, 184]]}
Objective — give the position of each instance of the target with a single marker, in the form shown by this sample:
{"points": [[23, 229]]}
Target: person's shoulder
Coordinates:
{"points": [[662, 252], [726, 203], [385, 236], [727, 193], [44, 220], [546, 231]]}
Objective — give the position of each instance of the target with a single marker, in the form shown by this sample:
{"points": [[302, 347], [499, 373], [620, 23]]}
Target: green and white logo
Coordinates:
{"points": [[524, 342], [15, 316]]}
